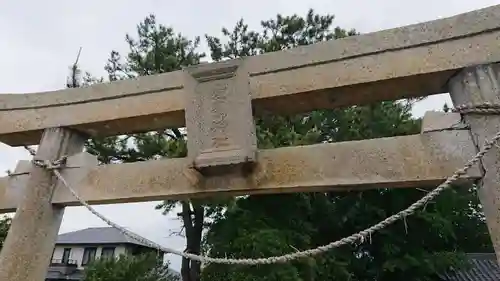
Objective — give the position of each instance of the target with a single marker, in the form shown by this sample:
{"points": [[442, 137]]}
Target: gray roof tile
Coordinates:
{"points": [[95, 235], [483, 267]]}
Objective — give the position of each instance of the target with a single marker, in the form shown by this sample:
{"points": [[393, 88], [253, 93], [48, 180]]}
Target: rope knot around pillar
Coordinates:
{"points": [[51, 165], [485, 108]]}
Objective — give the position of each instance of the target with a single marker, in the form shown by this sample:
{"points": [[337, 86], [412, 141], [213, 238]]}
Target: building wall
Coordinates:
{"points": [[77, 252]]}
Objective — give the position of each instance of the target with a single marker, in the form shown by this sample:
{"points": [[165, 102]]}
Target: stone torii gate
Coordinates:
{"points": [[216, 102]]}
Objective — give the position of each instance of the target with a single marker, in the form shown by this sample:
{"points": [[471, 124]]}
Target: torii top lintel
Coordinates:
{"points": [[410, 61]]}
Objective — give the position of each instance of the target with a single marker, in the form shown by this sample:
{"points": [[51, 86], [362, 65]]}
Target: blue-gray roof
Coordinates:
{"points": [[483, 267], [96, 235]]}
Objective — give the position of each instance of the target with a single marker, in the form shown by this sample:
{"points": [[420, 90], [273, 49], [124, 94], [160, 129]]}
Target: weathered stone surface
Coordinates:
{"points": [[438, 121], [28, 248], [474, 86], [75, 169], [219, 117], [404, 62], [404, 162]]}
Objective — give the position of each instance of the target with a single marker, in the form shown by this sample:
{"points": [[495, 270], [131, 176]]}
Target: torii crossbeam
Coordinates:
{"points": [[216, 103]]}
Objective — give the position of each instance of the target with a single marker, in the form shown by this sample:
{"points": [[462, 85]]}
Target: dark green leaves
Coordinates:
{"points": [[144, 267]]}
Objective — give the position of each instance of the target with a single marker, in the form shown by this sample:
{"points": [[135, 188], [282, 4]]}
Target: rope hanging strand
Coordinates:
{"points": [[485, 108]]}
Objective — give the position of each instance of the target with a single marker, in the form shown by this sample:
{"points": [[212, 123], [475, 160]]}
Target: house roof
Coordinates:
{"points": [[96, 235], [483, 267]]}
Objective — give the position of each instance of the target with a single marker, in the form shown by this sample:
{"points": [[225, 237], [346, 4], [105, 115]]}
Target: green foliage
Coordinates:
{"points": [[155, 49], [4, 228], [144, 267], [258, 226]]}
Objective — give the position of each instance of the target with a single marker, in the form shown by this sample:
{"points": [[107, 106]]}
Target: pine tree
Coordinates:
{"points": [[257, 226]]}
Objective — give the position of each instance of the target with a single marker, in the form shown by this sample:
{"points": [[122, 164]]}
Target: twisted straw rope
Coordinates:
{"points": [[485, 108]]}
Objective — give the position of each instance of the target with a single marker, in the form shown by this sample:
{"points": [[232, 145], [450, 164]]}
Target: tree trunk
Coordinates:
{"points": [[195, 245], [193, 225], [185, 269], [311, 271]]}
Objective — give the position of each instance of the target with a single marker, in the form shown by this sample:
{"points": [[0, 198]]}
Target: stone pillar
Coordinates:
{"points": [[474, 86], [27, 251]]}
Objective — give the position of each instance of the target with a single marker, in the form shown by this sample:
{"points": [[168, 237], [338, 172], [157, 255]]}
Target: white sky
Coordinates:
{"points": [[41, 40]]}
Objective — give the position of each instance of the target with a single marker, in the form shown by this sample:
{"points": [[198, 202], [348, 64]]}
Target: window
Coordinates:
{"points": [[66, 254], [108, 252], [89, 255]]}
